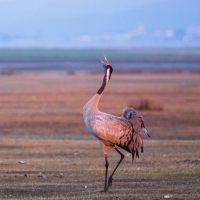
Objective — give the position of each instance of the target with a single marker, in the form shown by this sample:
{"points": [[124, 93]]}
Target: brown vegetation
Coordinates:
{"points": [[146, 104]]}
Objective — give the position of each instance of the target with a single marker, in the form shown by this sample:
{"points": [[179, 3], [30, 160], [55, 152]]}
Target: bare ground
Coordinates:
{"points": [[41, 124]]}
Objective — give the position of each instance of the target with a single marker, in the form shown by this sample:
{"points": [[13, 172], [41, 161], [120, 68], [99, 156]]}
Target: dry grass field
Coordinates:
{"points": [[41, 123]]}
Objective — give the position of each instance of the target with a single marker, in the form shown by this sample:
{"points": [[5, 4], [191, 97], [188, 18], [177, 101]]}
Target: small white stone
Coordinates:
{"points": [[22, 162], [168, 196], [85, 186]]}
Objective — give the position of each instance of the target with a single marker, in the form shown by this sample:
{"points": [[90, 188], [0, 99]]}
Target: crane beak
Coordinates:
{"points": [[104, 63], [142, 132], [146, 132], [105, 58]]}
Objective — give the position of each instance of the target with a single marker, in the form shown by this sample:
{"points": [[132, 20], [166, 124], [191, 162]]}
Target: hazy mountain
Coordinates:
{"points": [[114, 23]]}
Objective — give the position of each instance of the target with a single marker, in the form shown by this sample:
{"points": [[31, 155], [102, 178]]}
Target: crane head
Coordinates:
{"points": [[136, 120], [108, 68]]}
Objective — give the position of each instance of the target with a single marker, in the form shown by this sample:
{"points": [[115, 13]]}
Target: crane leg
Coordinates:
{"points": [[106, 173], [110, 178], [105, 148]]}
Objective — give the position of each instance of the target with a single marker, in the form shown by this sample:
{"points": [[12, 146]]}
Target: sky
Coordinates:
{"points": [[99, 23]]}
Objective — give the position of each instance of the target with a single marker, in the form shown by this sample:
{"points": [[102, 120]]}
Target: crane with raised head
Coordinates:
{"points": [[112, 131]]}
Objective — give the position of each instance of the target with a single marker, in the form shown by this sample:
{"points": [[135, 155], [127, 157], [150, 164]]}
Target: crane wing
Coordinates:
{"points": [[112, 130]]}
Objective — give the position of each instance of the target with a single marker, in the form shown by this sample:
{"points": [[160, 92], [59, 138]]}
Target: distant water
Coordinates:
{"points": [[87, 59]]}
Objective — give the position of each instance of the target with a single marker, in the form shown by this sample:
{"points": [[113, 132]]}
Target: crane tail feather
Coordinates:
{"points": [[135, 145]]}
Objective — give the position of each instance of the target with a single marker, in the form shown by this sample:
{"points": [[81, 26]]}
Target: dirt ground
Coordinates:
{"points": [[47, 153]]}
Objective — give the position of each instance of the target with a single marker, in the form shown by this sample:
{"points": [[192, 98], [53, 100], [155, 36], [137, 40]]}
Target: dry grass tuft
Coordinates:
{"points": [[147, 104]]}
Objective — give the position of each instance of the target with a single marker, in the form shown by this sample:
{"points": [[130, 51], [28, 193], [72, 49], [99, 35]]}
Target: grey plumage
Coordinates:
{"points": [[111, 130]]}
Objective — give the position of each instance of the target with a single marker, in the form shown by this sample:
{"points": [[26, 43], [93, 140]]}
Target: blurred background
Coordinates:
{"points": [[67, 35]]}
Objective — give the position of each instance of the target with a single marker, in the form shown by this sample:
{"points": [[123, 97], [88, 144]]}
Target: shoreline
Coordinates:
{"points": [[5, 72]]}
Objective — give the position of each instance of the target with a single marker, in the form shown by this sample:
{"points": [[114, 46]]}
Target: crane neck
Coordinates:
{"points": [[94, 101], [92, 105], [104, 83]]}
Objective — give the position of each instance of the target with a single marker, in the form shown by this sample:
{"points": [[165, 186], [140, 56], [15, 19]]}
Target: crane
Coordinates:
{"points": [[113, 131]]}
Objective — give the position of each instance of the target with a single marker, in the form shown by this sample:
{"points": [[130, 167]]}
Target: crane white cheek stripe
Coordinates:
{"points": [[107, 75]]}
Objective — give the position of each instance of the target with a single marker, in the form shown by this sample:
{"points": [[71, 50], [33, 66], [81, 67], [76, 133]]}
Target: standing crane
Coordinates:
{"points": [[112, 131]]}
